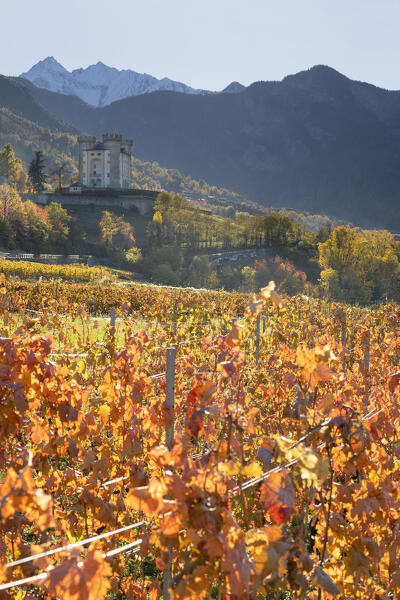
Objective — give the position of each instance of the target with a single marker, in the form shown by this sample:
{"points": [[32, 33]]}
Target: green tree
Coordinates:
{"points": [[7, 235], [248, 280], [36, 172], [165, 274], [59, 220], [202, 274], [8, 163]]}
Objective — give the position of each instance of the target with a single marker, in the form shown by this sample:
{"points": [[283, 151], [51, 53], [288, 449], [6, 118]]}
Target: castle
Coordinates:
{"points": [[105, 164]]}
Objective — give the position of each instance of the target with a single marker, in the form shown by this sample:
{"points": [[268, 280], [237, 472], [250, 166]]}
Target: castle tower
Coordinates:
{"points": [[105, 164], [85, 142], [112, 142]]}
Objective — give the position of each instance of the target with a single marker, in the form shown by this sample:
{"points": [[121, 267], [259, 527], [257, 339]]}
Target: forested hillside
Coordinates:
{"points": [[29, 127]]}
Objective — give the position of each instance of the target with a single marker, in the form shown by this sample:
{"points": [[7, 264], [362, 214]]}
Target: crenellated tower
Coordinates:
{"points": [[105, 164]]}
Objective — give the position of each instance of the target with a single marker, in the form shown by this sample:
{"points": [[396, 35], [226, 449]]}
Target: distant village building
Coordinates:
{"points": [[76, 188], [105, 164]]}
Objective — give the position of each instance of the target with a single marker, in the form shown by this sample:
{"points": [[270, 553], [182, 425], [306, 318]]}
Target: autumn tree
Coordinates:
{"points": [[13, 169], [10, 200], [8, 163], [112, 226], [359, 266]]}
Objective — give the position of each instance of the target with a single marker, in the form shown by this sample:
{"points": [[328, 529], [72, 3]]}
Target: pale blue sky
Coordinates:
{"points": [[207, 43]]}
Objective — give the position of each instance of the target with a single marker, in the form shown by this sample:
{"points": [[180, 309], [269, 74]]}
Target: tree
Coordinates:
{"points": [[8, 163], [7, 235], [59, 221], [10, 200], [37, 224], [21, 180], [36, 172], [359, 266], [111, 225], [248, 280], [202, 273], [13, 168]]}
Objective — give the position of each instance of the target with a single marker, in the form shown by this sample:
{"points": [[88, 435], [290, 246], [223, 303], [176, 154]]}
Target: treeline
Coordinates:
{"points": [[180, 235], [178, 222], [26, 226], [341, 263]]}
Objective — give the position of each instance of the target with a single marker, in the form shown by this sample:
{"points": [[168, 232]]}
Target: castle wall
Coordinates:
{"points": [[142, 204]]}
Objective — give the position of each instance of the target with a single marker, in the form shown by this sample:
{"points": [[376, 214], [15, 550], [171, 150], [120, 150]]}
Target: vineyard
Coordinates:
{"points": [[162, 443], [77, 272]]}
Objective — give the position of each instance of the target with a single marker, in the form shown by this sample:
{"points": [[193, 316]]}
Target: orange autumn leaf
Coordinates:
{"points": [[253, 309], [84, 580], [22, 496], [278, 497], [201, 393], [394, 381], [235, 335], [149, 498], [268, 293]]}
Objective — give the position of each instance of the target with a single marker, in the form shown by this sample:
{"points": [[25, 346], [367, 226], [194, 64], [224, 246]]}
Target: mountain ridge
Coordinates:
{"points": [[316, 141], [99, 84]]}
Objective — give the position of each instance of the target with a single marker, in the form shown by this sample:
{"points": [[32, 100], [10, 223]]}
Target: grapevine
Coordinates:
{"points": [[282, 475]]}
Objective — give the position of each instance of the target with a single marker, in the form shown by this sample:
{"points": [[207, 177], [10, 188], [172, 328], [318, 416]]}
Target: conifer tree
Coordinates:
{"points": [[36, 172]]}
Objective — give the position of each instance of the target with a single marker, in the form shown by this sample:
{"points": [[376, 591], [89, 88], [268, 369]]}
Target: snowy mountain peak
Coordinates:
{"points": [[99, 84], [49, 65], [50, 60]]}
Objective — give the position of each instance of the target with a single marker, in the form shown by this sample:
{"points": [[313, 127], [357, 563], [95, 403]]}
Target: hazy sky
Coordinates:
{"points": [[207, 43]]}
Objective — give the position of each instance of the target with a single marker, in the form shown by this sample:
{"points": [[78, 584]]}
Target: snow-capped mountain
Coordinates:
{"points": [[99, 84]]}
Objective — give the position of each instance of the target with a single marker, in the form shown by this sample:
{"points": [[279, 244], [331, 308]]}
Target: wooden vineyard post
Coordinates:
{"points": [[112, 317], [343, 340], [56, 291], [175, 317], [169, 440], [170, 394], [258, 331], [367, 348]]}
